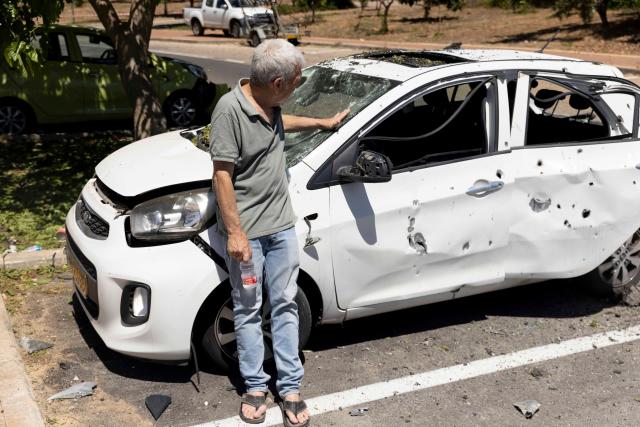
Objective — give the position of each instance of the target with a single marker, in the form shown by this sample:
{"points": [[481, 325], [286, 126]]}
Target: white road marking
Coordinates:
{"points": [[190, 55], [357, 396]]}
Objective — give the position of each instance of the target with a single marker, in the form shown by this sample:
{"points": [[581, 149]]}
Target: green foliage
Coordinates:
{"points": [[41, 177], [584, 8], [17, 25]]}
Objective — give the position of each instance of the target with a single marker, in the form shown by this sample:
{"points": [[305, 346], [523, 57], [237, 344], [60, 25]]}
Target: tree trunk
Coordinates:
{"points": [[378, 6], [426, 4], [385, 17], [601, 8], [132, 46]]}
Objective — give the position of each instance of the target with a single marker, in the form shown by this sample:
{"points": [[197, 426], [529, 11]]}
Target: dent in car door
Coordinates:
{"points": [[430, 231], [577, 190]]}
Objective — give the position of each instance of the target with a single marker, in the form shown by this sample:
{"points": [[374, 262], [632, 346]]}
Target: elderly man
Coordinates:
{"points": [[256, 218]]}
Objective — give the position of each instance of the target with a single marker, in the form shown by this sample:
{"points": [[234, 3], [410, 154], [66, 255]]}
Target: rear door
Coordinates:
{"points": [[440, 224], [577, 188]]}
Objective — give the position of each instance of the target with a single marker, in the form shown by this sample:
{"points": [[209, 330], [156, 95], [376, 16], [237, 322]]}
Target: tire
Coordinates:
{"points": [[234, 29], [181, 109], [254, 40], [15, 118], [218, 340], [226, 33], [617, 274], [196, 28]]}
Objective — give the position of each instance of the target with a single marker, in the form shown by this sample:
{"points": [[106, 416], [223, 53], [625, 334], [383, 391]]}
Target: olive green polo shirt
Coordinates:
{"points": [[240, 135]]}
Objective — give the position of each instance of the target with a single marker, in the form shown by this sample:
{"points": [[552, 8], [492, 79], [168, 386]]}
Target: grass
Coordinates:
{"points": [[42, 176], [16, 284]]}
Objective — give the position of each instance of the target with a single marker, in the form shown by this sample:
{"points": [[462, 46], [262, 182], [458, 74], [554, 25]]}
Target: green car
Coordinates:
{"points": [[79, 81]]}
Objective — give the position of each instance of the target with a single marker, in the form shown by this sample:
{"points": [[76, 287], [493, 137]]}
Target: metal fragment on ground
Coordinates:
{"points": [[157, 404], [76, 391], [528, 407], [31, 345], [358, 412]]}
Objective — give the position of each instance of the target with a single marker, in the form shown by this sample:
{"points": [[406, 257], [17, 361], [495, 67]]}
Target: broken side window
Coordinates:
{"points": [[450, 123], [558, 113], [623, 107]]}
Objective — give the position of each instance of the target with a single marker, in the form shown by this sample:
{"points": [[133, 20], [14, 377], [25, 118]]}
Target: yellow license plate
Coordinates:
{"points": [[79, 278]]}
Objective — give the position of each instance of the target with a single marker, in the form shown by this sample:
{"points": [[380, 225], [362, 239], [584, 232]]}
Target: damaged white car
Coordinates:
{"points": [[457, 172]]}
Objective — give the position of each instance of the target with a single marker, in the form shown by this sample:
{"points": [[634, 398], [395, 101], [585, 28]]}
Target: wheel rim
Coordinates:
{"points": [[622, 266], [12, 120], [225, 334], [182, 111]]}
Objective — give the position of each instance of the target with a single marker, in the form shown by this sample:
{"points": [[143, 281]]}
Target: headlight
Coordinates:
{"points": [[196, 71], [173, 217]]}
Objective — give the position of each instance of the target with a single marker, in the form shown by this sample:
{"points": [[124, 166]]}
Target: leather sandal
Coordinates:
{"points": [[256, 402], [295, 408]]}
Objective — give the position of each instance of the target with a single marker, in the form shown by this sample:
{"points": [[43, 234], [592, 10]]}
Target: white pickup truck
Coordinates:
{"points": [[226, 15]]}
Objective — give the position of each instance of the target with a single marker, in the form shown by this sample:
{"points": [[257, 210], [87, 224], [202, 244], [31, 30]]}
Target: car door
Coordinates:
{"points": [[576, 192], [56, 85], [216, 13], [440, 224], [104, 93]]}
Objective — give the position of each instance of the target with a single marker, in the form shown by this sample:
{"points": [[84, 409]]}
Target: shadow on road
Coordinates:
{"points": [[553, 299]]}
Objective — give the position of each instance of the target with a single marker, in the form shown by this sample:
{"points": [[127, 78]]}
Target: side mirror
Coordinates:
{"points": [[224, 6], [370, 167]]}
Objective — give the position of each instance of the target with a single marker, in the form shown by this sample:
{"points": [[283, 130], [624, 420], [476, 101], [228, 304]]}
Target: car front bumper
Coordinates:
{"points": [[179, 275]]}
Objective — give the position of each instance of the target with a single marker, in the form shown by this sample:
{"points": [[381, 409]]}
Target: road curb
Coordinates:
{"points": [[18, 407], [26, 260]]}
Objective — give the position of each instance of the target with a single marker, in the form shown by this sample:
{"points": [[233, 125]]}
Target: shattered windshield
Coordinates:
{"points": [[323, 93]]}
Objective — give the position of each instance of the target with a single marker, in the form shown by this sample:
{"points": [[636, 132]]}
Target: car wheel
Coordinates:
{"points": [[226, 33], [197, 28], [255, 39], [219, 338], [181, 109], [234, 29], [14, 118], [620, 271]]}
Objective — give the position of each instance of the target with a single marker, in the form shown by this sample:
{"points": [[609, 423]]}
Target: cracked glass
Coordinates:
{"points": [[323, 93]]}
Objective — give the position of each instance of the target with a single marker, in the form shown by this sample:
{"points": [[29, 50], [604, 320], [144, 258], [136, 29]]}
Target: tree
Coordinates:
{"points": [[584, 8], [428, 4], [130, 38], [386, 4]]}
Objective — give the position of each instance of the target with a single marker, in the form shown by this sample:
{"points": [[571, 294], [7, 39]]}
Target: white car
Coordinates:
{"points": [[226, 15], [457, 172]]}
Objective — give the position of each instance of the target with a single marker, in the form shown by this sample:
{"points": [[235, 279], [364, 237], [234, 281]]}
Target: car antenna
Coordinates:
{"points": [[549, 41]]}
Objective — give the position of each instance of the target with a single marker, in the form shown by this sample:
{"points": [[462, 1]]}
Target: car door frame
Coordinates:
{"points": [[584, 167], [319, 179]]}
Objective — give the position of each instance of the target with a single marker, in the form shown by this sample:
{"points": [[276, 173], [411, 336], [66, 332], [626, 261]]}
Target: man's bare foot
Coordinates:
{"points": [[302, 416], [252, 413]]}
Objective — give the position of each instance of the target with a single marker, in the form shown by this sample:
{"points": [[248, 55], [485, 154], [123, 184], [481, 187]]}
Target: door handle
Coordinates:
{"points": [[483, 188]]}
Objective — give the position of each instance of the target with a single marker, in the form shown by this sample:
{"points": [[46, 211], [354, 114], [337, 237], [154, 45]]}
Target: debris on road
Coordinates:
{"points": [[157, 404], [75, 391], [358, 412], [31, 345], [631, 296], [528, 407], [537, 373], [64, 366]]}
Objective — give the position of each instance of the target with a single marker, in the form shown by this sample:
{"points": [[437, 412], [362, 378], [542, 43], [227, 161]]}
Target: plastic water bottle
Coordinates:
{"points": [[248, 274]]}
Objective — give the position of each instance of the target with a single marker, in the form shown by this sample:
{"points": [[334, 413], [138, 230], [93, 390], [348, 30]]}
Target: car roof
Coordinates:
{"points": [[402, 65]]}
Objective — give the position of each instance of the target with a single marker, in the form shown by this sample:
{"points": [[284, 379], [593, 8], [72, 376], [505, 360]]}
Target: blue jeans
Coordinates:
{"points": [[275, 258]]}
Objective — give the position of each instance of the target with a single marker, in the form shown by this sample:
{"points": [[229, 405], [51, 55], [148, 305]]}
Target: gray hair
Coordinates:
{"points": [[275, 58]]}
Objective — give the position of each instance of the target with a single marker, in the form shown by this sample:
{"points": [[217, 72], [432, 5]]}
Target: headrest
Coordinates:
{"points": [[579, 102], [546, 98]]}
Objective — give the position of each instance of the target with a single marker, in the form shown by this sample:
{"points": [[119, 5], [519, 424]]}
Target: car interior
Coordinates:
{"points": [[446, 124], [558, 114]]}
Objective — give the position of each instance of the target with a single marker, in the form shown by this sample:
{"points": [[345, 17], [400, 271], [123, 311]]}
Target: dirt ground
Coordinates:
{"points": [[475, 24]]}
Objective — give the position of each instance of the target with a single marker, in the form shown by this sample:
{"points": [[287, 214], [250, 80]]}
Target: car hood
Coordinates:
{"points": [[156, 162]]}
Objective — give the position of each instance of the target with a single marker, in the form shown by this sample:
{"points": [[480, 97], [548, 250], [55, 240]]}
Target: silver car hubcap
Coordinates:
{"points": [[12, 120], [622, 267], [226, 335], [182, 111]]}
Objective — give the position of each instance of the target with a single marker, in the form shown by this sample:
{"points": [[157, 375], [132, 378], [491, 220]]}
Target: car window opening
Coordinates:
{"points": [[558, 114], [447, 124]]}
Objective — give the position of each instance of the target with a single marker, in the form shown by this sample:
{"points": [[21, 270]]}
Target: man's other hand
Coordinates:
{"points": [[238, 247]]}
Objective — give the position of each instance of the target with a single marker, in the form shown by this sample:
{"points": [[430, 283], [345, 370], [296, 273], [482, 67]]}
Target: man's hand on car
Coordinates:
{"points": [[335, 121]]}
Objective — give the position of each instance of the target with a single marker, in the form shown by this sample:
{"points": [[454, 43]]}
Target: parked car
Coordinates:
{"points": [[226, 15], [457, 173], [79, 81]]}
